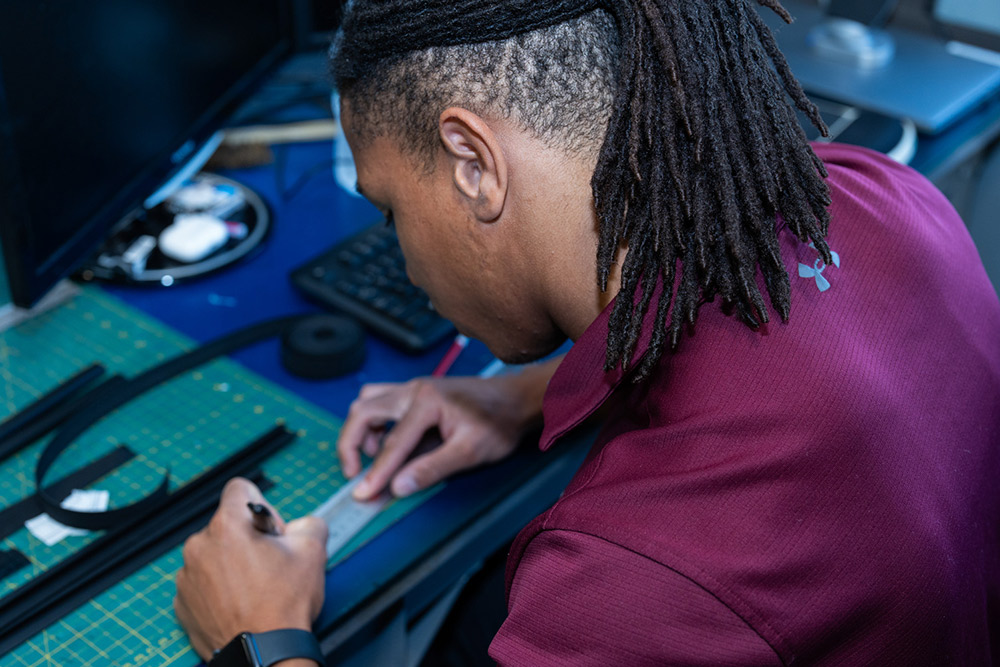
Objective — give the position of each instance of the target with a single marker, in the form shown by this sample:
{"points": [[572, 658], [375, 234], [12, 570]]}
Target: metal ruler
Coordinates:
{"points": [[345, 516]]}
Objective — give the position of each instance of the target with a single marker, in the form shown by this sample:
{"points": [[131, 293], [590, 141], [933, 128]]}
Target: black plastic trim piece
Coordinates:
{"points": [[57, 415], [32, 607], [22, 428], [12, 560]]}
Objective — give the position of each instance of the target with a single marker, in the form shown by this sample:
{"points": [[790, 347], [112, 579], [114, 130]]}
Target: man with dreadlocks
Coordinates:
{"points": [[819, 487]]}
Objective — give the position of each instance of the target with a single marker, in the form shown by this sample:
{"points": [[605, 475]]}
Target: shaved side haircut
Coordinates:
{"points": [[685, 106]]}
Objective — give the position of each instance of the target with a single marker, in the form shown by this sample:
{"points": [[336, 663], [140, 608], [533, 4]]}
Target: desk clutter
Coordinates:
{"points": [[207, 224], [101, 597]]}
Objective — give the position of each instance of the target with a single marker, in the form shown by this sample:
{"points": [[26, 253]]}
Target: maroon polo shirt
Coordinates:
{"points": [[821, 492]]}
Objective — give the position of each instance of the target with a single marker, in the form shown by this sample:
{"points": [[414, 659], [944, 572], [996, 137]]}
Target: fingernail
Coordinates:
{"points": [[404, 486], [362, 490]]}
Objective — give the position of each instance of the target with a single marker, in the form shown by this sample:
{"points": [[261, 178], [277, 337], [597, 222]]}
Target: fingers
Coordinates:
{"points": [[310, 528], [423, 414], [375, 406], [371, 443], [459, 452], [233, 508], [377, 389], [227, 585], [307, 539]]}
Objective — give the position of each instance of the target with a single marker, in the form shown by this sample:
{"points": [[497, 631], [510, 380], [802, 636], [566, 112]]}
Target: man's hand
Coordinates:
{"points": [[480, 421], [236, 579]]}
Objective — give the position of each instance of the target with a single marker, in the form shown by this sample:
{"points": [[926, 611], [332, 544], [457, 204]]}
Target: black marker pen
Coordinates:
{"points": [[263, 520]]}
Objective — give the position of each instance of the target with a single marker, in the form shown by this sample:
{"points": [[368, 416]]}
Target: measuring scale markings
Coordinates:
{"points": [[345, 516]]}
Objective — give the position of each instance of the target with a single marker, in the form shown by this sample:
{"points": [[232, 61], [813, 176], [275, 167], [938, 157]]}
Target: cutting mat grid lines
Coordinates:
{"points": [[185, 427]]}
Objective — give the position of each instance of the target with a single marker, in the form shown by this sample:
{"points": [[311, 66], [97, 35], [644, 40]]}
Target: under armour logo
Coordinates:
{"points": [[816, 270]]}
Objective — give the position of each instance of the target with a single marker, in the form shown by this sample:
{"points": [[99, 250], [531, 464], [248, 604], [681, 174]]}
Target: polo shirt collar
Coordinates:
{"points": [[580, 385]]}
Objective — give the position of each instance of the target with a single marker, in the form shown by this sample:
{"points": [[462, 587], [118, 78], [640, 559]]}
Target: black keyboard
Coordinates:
{"points": [[365, 277]]}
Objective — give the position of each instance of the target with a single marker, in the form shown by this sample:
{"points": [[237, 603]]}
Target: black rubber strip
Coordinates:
{"points": [[13, 430], [57, 415], [12, 518], [41, 405], [51, 595], [12, 560], [114, 398]]}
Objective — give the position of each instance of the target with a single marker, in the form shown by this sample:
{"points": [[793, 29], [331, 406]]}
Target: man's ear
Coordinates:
{"points": [[476, 161]]}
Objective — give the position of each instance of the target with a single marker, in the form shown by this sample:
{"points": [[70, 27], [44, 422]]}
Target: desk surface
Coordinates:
{"points": [[450, 528], [180, 429]]}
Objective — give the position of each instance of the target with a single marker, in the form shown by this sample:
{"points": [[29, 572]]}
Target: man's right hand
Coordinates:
{"points": [[480, 421]]}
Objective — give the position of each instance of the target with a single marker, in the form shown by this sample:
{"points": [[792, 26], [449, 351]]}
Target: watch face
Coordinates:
{"points": [[236, 653], [268, 648]]}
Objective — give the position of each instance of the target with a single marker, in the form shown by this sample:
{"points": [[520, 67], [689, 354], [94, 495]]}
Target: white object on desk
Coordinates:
{"points": [[907, 147], [51, 532], [206, 196], [192, 238]]}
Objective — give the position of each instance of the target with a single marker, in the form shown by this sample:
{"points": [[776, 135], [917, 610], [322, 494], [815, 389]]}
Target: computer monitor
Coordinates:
{"points": [[100, 101], [974, 21]]}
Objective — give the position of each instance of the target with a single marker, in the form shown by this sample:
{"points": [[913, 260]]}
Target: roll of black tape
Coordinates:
{"points": [[323, 347]]}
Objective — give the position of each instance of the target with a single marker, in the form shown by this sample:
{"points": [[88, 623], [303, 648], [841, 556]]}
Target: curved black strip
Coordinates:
{"points": [[12, 518], [112, 398]]}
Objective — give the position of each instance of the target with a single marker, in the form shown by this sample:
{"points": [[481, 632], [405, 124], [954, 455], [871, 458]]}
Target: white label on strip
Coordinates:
{"points": [[87, 501], [51, 532], [345, 516]]}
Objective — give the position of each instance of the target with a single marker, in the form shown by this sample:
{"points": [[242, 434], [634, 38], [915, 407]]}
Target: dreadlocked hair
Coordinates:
{"points": [[699, 156]]}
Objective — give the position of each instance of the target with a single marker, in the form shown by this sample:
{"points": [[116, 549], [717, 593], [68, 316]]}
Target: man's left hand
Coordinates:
{"points": [[237, 579]]}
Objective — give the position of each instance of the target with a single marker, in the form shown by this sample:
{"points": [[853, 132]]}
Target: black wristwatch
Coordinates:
{"points": [[263, 649]]}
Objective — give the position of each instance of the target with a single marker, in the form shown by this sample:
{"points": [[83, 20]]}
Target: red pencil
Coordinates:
{"points": [[450, 356]]}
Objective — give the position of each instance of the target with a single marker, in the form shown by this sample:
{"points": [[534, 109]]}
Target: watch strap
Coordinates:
{"points": [[277, 645], [263, 649]]}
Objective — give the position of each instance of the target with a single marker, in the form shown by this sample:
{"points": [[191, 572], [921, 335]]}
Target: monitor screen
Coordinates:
{"points": [[100, 101]]}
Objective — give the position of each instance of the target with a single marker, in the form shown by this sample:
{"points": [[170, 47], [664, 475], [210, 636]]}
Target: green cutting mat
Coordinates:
{"points": [[184, 426]]}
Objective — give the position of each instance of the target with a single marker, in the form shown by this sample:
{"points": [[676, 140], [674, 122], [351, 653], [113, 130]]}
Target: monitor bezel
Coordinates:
{"points": [[29, 283]]}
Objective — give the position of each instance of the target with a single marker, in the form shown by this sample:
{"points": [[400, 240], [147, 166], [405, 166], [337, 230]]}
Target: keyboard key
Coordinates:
{"points": [[365, 276], [347, 287], [348, 258]]}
